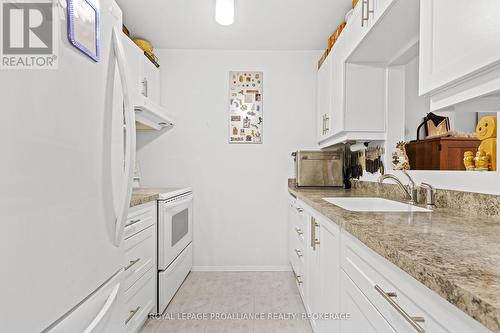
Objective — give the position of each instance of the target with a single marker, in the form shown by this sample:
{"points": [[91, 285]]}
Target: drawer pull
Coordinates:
{"points": [[298, 278], [132, 314], [132, 263], [131, 222], [299, 253], [413, 321], [299, 231], [300, 210]]}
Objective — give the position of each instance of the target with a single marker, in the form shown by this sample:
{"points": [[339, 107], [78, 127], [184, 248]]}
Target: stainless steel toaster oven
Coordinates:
{"points": [[319, 168]]}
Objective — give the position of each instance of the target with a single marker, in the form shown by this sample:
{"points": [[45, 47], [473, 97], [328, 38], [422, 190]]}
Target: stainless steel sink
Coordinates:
{"points": [[373, 204]]}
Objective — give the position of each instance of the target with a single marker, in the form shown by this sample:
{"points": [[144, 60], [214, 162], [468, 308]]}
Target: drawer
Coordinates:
{"points": [[298, 232], [296, 265], [139, 255], [171, 279], [301, 217], [299, 280], [297, 254], [364, 317], [139, 301], [139, 218], [376, 277]]}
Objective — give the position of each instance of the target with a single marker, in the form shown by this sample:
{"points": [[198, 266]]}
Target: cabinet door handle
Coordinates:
{"points": [[145, 87], [314, 239], [365, 9], [299, 253], [413, 321], [299, 231], [132, 263], [368, 10], [363, 18], [132, 314], [327, 125], [300, 210], [131, 222]]}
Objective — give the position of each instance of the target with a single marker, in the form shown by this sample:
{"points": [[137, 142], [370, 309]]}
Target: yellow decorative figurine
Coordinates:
{"points": [[482, 161], [469, 161], [486, 131]]}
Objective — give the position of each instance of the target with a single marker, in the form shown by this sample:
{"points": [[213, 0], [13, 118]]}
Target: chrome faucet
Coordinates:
{"points": [[410, 189], [430, 200]]}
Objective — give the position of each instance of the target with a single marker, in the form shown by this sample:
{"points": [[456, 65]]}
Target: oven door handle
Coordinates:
{"points": [[175, 203]]}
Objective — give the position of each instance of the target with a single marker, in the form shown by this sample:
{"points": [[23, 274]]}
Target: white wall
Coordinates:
{"points": [[416, 107], [240, 190]]}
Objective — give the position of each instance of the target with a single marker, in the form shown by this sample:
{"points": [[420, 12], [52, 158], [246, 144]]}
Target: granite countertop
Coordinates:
{"points": [[146, 194], [456, 254]]}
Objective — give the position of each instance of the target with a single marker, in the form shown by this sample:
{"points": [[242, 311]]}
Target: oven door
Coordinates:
{"points": [[175, 229]]}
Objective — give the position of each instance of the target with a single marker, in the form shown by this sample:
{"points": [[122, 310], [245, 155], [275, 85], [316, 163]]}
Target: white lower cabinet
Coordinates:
{"points": [[363, 317], [405, 303], [312, 275], [140, 266], [296, 243], [139, 301], [139, 255], [338, 274], [329, 297], [314, 247]]}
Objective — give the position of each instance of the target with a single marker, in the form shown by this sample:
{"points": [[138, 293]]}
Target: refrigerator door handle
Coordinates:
{"points": [[129, 133], [103, 313]]}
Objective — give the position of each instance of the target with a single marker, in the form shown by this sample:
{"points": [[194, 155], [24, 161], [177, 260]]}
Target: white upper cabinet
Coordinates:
{"points": [[133, 56], [144, 78], [458, 38], [351, 104], [351, 95], [324, 98], [149, 80]]}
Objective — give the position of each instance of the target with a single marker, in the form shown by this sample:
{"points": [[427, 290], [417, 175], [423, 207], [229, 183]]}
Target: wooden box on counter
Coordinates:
{"points": [[440, 153]]}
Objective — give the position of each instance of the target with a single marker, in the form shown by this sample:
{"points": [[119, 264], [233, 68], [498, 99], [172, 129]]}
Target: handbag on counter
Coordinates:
{"points": [[434, 125]]}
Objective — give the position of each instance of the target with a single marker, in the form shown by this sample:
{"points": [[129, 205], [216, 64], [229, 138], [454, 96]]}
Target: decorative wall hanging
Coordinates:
{"points": [[245, 107], [83, 27]]}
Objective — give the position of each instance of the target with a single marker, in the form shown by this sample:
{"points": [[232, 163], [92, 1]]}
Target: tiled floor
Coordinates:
{"points": [[234, 292]]}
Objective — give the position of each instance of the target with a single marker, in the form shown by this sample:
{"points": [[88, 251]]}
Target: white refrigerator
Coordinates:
{"points": [[67, 147]]}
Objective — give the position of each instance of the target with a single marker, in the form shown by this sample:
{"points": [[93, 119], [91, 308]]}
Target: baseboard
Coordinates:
{"points": [[241, 268]]}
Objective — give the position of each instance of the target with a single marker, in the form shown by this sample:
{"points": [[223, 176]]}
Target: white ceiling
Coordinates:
{"points": [[259, 24]]}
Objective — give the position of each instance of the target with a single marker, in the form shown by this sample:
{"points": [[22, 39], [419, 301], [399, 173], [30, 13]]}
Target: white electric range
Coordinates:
{"points": [[175, 237]]}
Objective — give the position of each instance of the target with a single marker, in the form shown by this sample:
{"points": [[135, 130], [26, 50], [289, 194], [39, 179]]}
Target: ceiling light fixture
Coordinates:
{"points": [[224, 12]]}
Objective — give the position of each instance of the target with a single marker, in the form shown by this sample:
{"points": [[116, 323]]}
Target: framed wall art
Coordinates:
{"points": [[246, 118], [83, 27]]}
